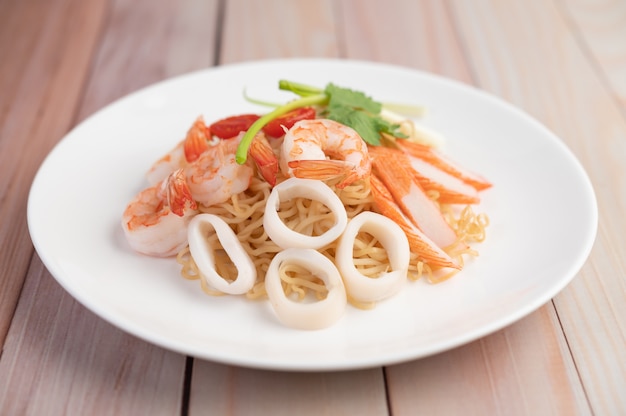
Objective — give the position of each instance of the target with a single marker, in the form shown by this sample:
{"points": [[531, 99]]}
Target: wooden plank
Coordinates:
{"points": [[416, 34], [175, 38], [505, 50], [277, 29], [508, 373], [221, 389], [601, 28], [426, 35], [280, 29], [46, 52], [60, 358]]}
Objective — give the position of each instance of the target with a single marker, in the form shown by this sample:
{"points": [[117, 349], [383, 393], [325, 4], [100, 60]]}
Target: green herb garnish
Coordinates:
{"points": [[346, 106]]}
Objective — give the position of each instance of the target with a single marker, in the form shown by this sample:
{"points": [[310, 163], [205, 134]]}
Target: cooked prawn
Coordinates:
{"points": [[186, 151], [215, 176], [167, 164], [264, 157], [199, 140], [323, 149], [155, 221]]}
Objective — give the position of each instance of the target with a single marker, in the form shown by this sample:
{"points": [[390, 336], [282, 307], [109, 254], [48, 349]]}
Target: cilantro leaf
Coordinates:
{"points": [[344, 97], [343, 105], [357, 110], [360, 121]]}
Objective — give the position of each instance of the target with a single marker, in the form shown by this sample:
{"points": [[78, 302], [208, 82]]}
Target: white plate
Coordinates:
{"points": [[542, 209]]}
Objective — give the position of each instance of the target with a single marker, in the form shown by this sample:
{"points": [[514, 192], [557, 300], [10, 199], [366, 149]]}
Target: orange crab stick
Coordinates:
{"points": [[394, 169], [427, 250], [437, 159], [451, 189]]}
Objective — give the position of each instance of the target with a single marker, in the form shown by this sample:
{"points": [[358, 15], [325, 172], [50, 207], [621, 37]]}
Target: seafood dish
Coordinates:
{"points": [[332, 199]]}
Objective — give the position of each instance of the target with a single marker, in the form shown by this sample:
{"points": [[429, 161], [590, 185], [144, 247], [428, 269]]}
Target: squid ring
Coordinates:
{"points": [[301, 315], [204, 254], [367, 289], [285, 237]]}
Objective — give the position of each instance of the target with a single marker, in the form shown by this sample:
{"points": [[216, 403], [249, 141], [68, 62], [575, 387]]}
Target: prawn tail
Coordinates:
{"points": [[350, 178], [177, 192], [320, 169], [197, 140], [264, 158]]}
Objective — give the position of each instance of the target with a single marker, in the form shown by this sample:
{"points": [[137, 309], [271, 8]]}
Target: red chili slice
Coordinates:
{"points": [[275, 127], [231, 126]]}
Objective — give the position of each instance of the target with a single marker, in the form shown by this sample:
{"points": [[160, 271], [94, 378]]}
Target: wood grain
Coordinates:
{"points": [[59, 358], [255, 30], [600, 27], [174, 38], [63, 358], [238, 391], [561, 61], [43, 67], [414, 34], [567, 94], [412, 387], [509, 373]]}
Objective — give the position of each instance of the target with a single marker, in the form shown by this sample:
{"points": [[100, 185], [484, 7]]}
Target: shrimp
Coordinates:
{"points": [[155, 221], [263, 155], [167, 164], [186, 151], [215, 176], [308, 143], [199, 140]]}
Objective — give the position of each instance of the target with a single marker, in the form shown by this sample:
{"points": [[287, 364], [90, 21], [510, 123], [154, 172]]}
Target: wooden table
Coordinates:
{"points": [[562, 61]]}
